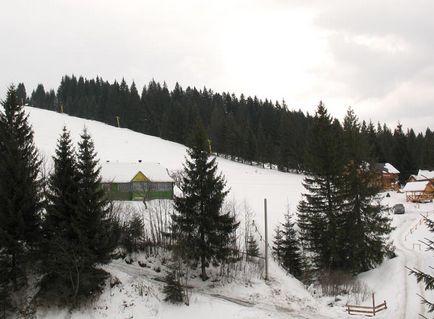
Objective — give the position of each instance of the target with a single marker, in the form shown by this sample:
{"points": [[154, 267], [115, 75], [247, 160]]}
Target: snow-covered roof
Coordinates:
{"points": [[387, 168], [124, 172], [425, 174], [415, 186]]}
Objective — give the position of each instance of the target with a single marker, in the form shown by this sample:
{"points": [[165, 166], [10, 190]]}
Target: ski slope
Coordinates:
{"points": [[282, 297]]}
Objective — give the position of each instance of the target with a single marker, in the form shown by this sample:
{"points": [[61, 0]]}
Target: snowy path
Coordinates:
{"points": [[410, 301], [266, 307]]}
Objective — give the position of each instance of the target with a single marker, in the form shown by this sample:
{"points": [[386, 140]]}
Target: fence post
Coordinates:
{"points": [[373, 304]]}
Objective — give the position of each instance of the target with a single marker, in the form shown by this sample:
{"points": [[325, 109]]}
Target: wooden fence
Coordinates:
{"points": [[367, 310]]}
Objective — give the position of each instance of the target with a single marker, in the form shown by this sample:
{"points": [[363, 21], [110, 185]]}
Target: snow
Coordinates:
{"points": [[139, 293], [124, 172], [425, 174], [390, 168], [415, 186]]}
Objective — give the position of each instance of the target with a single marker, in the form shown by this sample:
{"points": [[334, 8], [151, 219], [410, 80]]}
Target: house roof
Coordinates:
{"points": [[416, 186], [425, 174], [387, 168], [124, 172]]}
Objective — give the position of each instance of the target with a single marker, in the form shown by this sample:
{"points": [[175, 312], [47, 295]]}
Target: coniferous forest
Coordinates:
{"points": [[240, 127]]}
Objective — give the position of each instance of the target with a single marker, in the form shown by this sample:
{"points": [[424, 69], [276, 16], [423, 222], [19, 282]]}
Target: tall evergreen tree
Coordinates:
{"points": [[320, 210], [93, 205], [286, 248], [79, 232], [21, 94], [199, 225], [367, 226], [63, 234], [20, 190]]}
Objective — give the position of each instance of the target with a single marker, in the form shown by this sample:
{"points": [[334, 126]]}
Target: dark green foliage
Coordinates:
{"points": [[320, 211], [64, 249], [78, 230], [20, 191], [426, 278], [252, 249], [247, 128], [55, 289], [199, 225], [343, 224], [95, 215], [173, 290], [21, 94], [366, 226], [286, 248], [132, 234]]}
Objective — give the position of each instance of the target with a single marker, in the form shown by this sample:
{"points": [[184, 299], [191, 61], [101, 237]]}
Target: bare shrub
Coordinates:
{"points": [[339, 283]]}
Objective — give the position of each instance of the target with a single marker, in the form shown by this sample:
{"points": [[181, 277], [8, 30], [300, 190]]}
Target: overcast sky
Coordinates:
{"points": [[374, 55]]}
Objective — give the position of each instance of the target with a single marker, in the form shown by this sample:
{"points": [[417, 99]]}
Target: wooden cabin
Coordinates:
{"points": [[419, 192], [389, 176], [136, 181], [422, 175]]}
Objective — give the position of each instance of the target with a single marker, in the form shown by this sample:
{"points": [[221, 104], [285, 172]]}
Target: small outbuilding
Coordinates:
{"points": [[419, 192], [389, 176], [422, 175], [136, 181]]}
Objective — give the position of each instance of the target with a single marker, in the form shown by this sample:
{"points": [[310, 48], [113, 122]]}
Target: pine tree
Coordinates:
{"points": [[78, 231], [252, 247], [20, 190], [63, 234], [320, 210], [173, 290], [199, 225], [366, 224], [286, 248], [93, 205], [21, 94]]}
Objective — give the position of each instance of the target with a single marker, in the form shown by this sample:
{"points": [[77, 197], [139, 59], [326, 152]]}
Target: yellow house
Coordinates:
{"points": [[136, 181]]}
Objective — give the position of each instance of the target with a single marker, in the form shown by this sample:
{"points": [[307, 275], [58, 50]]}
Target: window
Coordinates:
{"points": [[124, 187]]}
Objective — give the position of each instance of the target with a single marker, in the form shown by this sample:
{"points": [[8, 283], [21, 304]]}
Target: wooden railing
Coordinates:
{"points": [[367, 310]]}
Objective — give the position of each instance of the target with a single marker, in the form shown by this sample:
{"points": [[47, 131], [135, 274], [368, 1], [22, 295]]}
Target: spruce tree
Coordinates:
{"points": [[63, 233], [78, 231], [252, 247], [320, 211], [366, 226], [286, 248], [21, 94], [20, 190], [200, 227], [93, 205], [173, 290]]}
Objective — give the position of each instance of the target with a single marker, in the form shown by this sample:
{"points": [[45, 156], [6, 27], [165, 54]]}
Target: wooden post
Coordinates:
{"points": [[373, 303], [266, 239], [61, 108], [117, 120]]}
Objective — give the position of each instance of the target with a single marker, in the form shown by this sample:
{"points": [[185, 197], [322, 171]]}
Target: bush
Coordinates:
{"points": [[339, 283], [132, 234], [56, 291]]}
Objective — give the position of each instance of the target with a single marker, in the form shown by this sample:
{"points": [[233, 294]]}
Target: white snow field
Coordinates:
{"points": [[139, 293]]}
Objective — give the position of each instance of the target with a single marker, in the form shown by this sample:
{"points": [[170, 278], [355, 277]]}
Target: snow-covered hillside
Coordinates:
{"points": [[247, 183], [283, 297]]}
